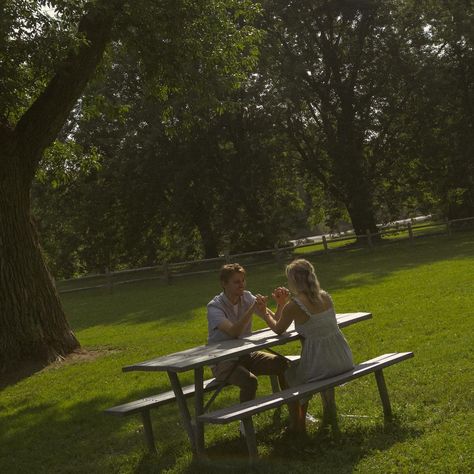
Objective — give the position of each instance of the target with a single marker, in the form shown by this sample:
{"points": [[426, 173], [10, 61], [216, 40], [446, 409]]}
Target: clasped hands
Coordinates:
{"points": [[280, 295]]}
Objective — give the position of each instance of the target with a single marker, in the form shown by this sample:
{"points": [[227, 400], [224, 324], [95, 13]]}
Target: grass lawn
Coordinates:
{"points": [[422, 299]]}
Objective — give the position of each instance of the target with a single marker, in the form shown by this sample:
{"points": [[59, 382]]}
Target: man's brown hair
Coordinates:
{"points": [[230, 268]]}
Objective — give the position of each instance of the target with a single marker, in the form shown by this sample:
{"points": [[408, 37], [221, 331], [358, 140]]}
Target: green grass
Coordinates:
{"points": [[422, 299]]}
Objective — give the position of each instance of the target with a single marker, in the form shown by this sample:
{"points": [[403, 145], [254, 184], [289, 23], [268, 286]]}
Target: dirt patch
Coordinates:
{"points": [[81, 355]]}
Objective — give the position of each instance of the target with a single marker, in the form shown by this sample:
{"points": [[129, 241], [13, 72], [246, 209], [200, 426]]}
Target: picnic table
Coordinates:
{"points": [[197, 358]]}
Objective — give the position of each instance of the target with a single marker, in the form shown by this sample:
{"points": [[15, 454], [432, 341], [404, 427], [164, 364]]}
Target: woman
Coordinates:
{"points": [[325, 351]]}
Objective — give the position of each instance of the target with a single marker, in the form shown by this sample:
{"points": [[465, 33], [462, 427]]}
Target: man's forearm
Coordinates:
{"points": [[238, 327]]}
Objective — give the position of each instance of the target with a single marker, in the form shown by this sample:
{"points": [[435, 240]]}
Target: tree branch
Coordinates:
{"points": [[42, 122]]}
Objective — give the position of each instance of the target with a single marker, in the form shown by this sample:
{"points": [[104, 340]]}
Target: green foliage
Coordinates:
{"points": [[66, 162], [214, 119], [337, 69], [34, 37]]}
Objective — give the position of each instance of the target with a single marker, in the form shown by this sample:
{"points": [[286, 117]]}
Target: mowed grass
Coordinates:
{"points": [[422, 299]]}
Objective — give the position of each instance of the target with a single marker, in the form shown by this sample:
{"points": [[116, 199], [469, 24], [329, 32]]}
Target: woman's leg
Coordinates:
{"points": [[302, 416], [294, 410]]}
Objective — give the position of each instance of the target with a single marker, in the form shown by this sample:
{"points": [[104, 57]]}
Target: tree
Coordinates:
{"points": [[337, 70], [47, 61], [32, 320], [441, 129]]}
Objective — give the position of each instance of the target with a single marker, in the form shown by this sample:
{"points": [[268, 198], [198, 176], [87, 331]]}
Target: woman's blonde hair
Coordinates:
{"points": [[302, 279]]}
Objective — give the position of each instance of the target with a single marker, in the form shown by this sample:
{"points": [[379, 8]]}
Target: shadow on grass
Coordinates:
{"points": [[138, 303], [152, 301], [49, 437], [21, 371], [357, 266], [284, 452]]}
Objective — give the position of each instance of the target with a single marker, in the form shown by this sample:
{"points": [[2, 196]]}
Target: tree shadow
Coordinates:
{"points": [[48, 437], [27, 368], [138, 303], [357, 266], [286, 452], [21, 370], [156, 302]]}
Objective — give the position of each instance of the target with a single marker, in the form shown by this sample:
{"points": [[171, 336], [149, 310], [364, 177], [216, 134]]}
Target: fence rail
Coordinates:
{"points": [[324, 243]]}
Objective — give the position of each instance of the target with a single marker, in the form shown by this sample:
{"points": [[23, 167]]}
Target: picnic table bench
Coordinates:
{"points": [[245, 411], [196, 359], [144, 405]]}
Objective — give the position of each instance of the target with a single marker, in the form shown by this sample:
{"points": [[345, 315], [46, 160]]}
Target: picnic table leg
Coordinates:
{"points": [[329, 409], [150, 439], [183, 408], [199, 407], [250, 438], [387, 409]]}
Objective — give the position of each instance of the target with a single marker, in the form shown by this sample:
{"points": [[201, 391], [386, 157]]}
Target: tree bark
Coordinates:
{"points": [[202, 219], [360, 208], [32, 321], [33, 325]]}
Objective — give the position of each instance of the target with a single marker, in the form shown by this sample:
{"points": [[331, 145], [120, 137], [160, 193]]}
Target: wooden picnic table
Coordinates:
{"points": [[198, 357]]}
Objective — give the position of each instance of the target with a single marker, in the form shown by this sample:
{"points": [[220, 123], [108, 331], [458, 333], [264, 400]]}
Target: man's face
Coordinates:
{"points": [[235, 286]]}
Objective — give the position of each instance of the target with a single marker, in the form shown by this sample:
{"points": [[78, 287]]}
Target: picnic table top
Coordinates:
{"points": [[212, 353]]}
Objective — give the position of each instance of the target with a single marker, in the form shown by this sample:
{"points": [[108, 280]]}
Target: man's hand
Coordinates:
{"points": [[261, 304]]}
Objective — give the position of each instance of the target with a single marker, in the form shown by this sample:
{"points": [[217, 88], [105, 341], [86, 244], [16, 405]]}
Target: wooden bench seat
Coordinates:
{"points": [[245, 411], [144, 405]]}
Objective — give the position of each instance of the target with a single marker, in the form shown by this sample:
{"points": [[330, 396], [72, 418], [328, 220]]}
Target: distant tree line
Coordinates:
{"points": [[360, 110]]}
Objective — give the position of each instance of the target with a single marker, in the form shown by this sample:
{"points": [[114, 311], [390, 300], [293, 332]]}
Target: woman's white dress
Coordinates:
{"points": [[324, 351]]}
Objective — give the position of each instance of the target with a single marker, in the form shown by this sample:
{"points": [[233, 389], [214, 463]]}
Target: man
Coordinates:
{"points": [[229, 316]]}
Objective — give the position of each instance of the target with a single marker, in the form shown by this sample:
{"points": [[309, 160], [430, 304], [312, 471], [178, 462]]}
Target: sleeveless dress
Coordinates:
{"points": [[324, 351]]}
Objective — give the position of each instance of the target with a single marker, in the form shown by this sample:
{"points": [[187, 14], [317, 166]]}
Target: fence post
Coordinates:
{"points": [[166, 273], [278, 254], [369, 238], [226, 256], [108, 280], [410, 232], [448, 226], [325, 244]]}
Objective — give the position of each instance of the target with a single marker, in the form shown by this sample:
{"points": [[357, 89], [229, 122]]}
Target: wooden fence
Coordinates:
{"points": [[325, 244]]}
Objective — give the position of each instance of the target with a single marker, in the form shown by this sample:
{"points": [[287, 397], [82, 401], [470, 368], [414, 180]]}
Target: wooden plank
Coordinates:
{"points": [[157, 400], [346, 319], [148, 429], [183, 408], [199, 408], [210, 354], [383, 392], [250, 408]]}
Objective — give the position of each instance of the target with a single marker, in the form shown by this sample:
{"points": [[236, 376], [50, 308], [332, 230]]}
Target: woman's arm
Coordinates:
{"points": [[281, 319]]}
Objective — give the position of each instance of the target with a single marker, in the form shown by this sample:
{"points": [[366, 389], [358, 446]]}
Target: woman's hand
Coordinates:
{"points": [[281, 295]]}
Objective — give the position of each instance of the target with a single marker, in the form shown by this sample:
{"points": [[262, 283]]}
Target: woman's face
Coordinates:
{"points": [[235, 285], [292, 286]]}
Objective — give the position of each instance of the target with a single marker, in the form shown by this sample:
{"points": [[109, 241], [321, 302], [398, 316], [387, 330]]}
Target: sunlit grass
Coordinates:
{"points": [[421, 295]]}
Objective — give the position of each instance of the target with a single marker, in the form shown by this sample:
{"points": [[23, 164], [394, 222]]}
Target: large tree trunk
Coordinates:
{"points": [[357, 192], [32, 322], [351, 167], [202, 219], [360, 208]]}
